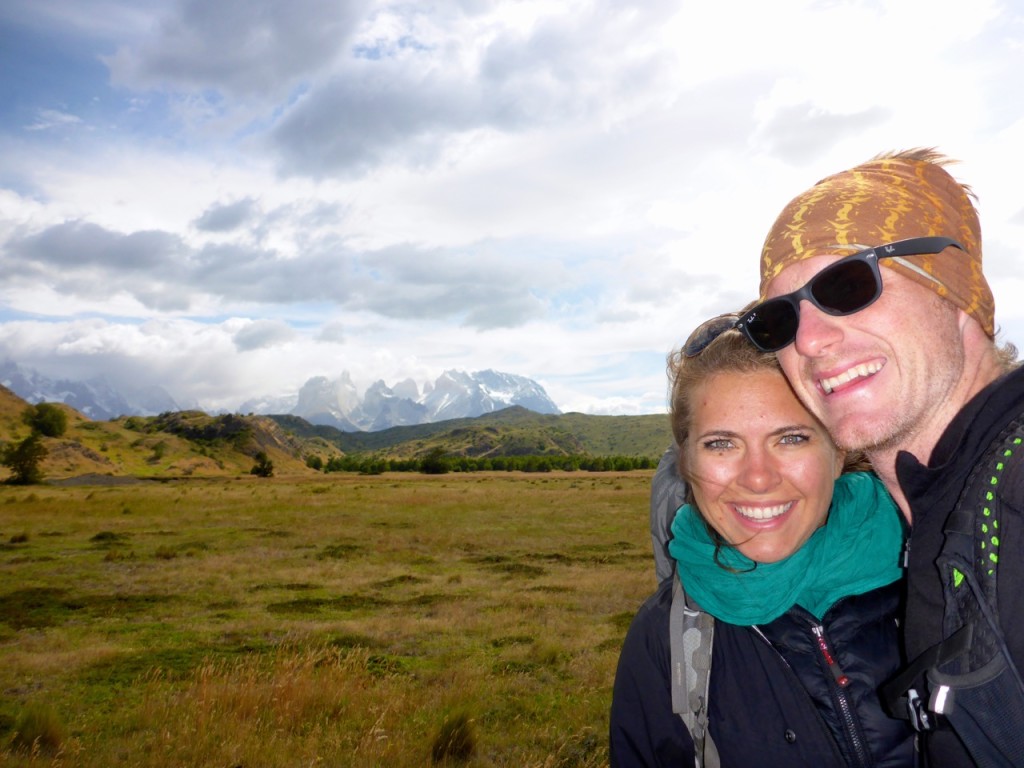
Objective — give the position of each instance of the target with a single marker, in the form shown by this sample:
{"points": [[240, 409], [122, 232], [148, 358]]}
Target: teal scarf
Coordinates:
{"points": [[857, 550]]}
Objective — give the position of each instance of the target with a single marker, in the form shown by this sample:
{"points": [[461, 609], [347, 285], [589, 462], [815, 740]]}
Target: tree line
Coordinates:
{"points": [[438, 463]]}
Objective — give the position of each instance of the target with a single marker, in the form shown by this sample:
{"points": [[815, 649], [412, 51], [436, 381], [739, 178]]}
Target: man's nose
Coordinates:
{"points": [[816, 331]]}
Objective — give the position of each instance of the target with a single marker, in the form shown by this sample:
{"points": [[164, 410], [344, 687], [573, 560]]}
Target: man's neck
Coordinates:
{"points": [[884, 463]]}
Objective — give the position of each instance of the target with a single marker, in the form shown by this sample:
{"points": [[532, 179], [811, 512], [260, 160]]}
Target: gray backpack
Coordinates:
{"points": [[691, 630]]}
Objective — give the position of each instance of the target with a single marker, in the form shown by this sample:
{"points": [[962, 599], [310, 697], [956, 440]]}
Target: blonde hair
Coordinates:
{"points": [[731, 353]]}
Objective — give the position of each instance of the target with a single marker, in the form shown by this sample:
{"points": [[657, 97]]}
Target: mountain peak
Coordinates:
{"points": [[321, 400]]}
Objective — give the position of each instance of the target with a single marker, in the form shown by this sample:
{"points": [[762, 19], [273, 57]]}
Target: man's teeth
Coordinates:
{"points": [[764, 513], [864, 369]]}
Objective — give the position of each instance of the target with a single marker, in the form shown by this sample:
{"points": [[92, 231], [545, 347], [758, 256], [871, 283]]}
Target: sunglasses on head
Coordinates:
{"points": [[708, 331], [843, 288]]}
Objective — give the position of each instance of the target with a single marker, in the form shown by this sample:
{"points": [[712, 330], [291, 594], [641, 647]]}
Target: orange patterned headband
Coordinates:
{"points": [[893, 197]]}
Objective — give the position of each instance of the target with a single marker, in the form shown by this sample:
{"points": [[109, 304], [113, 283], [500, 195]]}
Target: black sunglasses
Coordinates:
{"points": [[843, 288], [707, 332]]}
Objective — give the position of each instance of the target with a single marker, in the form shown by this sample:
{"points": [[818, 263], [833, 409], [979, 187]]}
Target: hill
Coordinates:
{"points": [[513, 431], [192, 443], [186, 443]]}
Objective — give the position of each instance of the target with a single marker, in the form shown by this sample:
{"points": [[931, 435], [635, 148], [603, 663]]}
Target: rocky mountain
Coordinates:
{"points": [[95, 398], [453, 395], [321, 401]]}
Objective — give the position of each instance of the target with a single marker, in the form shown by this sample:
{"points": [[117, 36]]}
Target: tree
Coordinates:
{"points": [[263, 467], [435, 463], [23, 460], [46, 418]]}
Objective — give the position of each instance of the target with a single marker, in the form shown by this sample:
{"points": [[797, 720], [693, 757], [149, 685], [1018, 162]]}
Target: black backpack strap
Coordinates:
{"points": [[900, 694], [969, 677], [691, 632]]}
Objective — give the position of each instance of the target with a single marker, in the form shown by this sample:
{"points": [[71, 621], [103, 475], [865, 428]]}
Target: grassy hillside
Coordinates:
{"points": [[192, 443], [171, 445], [510, 432]]}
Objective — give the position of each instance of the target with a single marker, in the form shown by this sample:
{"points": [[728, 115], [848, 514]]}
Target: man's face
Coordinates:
{"points": [[878, 378]]}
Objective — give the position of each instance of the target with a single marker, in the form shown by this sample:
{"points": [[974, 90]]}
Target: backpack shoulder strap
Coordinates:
{"points": [[668, 494], [962, 676], [691, 632]]}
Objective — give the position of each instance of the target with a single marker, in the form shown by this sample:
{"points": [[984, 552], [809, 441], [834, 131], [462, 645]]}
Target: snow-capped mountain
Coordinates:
{"points": [[95, 398], [332, 402], [322, 401], [455, 394]]}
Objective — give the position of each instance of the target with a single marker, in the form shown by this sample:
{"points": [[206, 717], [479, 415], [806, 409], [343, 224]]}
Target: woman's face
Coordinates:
{"points": [[761, 466]]}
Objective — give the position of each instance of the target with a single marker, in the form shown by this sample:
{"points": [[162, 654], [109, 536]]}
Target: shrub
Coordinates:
{"points": [[455, 741], [46, 419], [23, 460], [435, 463], [159, 451], [38, 728], [263, 467]]}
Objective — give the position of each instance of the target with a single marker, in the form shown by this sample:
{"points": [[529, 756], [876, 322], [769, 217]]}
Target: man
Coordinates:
{"points": [[900, 362]]}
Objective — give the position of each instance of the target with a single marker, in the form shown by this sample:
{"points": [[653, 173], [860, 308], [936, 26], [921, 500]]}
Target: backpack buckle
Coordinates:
{"points": [[917, 712]]}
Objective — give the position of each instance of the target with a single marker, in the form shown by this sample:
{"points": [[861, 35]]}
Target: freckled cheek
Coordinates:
{"points": [[708, 492], [710, 481]]}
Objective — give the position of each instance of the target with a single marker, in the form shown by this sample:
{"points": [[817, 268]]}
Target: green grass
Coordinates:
{"points": [[342, 620]]}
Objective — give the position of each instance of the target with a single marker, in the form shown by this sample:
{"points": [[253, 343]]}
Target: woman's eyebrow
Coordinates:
{"points": [[792, 428]]}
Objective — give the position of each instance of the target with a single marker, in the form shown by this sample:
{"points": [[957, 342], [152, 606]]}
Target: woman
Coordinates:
{"points": [[797, 562]]}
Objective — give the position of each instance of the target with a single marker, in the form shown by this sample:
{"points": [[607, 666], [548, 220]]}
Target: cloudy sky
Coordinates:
{"points": [[228, 198]]}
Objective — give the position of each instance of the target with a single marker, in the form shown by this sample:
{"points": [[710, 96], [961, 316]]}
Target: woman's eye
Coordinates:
{"points": [[718, 445], [794, 439]]}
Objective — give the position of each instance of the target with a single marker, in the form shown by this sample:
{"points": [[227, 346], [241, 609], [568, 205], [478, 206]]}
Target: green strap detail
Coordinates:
{"points": [[993, 556]]}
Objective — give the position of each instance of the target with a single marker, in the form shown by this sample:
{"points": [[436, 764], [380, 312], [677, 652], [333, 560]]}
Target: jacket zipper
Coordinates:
{"points": [[841, 681]]}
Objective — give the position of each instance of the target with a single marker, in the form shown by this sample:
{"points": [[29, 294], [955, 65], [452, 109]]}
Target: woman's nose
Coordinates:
{"points": [[758, 473]]}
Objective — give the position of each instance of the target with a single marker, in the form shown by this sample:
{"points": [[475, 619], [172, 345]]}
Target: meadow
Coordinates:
{"points": [[338, 620]]}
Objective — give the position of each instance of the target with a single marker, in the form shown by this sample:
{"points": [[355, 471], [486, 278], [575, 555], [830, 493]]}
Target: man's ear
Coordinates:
{"points": [[962, 319]]}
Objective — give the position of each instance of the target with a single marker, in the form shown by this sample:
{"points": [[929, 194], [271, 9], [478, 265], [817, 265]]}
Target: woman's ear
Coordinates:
{"points": [[840, 462]]}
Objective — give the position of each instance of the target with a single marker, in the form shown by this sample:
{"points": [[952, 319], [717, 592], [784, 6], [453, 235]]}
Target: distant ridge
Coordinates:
{"points": [[332, 402]]}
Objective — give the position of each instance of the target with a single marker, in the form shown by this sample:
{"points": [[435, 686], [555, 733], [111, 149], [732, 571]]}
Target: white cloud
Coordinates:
{"points": [[50, 119], [267, 192]]}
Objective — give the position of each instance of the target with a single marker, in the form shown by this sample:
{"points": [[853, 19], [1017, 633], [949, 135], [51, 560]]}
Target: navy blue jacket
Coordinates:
{"points": [[774, 699]]}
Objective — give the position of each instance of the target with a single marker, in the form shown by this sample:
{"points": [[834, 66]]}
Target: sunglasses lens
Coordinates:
{"points": [[772, 325], [707, 332], [845, 288]]}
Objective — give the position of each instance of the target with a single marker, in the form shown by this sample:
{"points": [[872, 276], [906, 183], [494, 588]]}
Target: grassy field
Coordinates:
{"points": [[395, 620]]}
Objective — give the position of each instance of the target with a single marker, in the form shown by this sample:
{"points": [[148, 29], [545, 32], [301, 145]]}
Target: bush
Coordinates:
{"points": [[263, 467], [455, 741], [38, 728], [435, 463], [23, 459], [46, 419]]}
